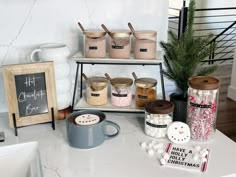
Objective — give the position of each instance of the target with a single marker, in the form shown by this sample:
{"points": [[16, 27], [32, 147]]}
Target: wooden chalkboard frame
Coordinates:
{"points": [[9, 73]]}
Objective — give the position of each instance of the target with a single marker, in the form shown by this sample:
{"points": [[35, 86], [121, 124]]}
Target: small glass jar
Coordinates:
{"points": [[202, 106], [119, 44], [96, 91], [95, 44], [158, 115], [145, 91], [121, 91], [145, 44]]}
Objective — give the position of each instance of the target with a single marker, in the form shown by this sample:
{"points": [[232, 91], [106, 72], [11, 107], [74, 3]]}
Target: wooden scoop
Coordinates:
{"points": [[81, 27], [109, 78], [86, 78], [135, 76], [109, 33], [131, 27]]}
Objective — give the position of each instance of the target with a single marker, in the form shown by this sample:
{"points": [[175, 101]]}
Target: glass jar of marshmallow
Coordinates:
{"points": [[202, 106], [158, 115], [121, 91]]}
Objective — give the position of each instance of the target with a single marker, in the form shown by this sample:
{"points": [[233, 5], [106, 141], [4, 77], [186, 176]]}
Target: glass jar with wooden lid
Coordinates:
{"points": [[202, 106], [119, 44], [145, 44], [121, 91], [158, 116], [94, 42], [145, 90], [96, 90]]}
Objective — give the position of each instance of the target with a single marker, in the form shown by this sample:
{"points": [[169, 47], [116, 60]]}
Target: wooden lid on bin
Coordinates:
{"points": [[97, 83], [145, 82], [145, 34], [120, 33], [159, 107], [204, 82], [94, 33], [121, 82]]}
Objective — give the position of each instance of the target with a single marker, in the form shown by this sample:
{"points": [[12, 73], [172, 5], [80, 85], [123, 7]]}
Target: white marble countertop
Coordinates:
{"points": [[118, 157]]}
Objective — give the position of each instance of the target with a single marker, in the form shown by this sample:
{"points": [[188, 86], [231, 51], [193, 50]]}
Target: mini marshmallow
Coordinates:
{"points": [[162, 161], [160, 150], [143, 145], [166, 156], [204, 159], [150, 152], [157, 146], [151, 143], [197, 148], [196, 157], [204, 152]]}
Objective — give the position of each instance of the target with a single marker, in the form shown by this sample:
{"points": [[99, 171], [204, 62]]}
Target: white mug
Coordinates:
{"points": [[51, 52]]}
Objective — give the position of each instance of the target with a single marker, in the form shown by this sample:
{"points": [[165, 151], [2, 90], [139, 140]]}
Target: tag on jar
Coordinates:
{"points": [[87, 119]]}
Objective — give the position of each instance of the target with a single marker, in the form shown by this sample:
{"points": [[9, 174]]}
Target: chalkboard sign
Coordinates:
{"points": [[31, 94]]}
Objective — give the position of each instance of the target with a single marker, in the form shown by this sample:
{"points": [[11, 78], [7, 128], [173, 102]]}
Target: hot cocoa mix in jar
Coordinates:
{"points": [[96, 90], [202, 106], [145, 90]]}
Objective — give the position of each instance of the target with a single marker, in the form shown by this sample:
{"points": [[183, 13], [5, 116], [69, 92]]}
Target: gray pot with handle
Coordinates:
{"points": [[91, 135]]}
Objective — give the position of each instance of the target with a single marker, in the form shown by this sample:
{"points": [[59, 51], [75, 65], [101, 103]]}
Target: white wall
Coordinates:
{"points": [[26, 24]]}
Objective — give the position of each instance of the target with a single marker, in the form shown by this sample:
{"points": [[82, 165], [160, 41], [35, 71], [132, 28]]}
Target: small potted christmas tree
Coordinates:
{"points": [[182, 57]]}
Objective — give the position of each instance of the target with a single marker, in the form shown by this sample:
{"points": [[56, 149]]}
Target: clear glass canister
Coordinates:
{"points": [[145, 44], [158, 115], [95, 44], [96, 91], [202, 106], [121, 91], [145, 91], [119, 44]]}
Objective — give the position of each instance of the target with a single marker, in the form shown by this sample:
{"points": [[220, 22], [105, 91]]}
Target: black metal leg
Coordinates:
{"points": [[14, 123], [162, 82], [53, 119], [81, 81], [75, 86]]}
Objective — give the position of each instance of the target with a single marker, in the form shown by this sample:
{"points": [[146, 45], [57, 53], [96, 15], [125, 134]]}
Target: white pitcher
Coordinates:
{"points": [[51, 52], [58, 53]]}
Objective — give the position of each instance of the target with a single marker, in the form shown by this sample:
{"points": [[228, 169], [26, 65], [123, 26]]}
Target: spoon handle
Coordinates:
{"points": [[84, 76], [108, 77], [105, 28], [81, 27], [131, 27], [134, 75], [108, 32]]}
